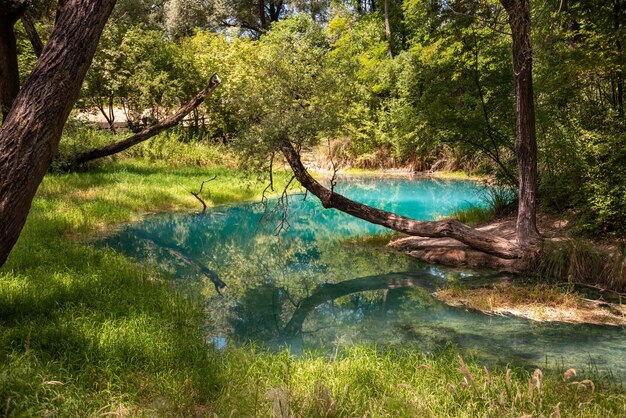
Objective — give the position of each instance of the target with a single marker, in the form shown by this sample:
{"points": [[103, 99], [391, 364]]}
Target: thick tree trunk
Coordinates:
{"points": [[526, 140], [153, 130], [479, 240], [9, 71], [31, 132]]}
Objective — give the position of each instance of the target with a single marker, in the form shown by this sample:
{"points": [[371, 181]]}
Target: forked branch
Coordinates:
{"points": [[197, 194]]}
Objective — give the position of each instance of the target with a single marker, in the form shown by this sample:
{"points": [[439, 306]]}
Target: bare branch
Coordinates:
{"points": [[197, 194]]}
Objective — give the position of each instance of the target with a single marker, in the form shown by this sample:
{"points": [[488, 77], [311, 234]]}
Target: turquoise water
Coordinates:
{"points": [[316, 285]]}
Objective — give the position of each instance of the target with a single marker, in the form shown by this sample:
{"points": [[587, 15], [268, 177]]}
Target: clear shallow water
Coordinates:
{"points": [[317, 286]]}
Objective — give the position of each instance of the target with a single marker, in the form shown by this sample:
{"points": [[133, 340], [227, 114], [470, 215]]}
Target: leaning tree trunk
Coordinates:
{"points": [[151, 131], [33, 36], [526, 140], [526, 148], [479, 240], [31, 132]]}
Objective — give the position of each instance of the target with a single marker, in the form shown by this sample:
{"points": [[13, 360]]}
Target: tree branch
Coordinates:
{"points": [[151, 131], [33, 36], [197, 194], [478, 240]]}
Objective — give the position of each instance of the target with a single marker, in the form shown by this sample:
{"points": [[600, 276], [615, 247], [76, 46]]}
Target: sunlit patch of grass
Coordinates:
{"points": [[459, 175], [376, 240], [473, 215], [366, 381], [497, 202], [85, 331]]}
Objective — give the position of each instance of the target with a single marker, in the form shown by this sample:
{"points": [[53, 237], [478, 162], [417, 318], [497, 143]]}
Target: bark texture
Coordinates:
{"points": [[482, 241], [526, 140], [31, 132], [151, 131]]}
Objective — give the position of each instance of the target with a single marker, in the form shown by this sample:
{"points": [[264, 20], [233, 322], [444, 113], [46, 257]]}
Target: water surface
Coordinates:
{"points": [[316, 285]]}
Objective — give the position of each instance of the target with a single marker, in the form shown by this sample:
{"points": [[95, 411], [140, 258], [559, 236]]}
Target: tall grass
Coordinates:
{"points": [[580, 261], [497, 203], [169, 148], [365, 381], [85, 331]]}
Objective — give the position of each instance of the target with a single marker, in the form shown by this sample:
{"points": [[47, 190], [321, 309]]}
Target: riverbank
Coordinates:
{"points": [[541, 303], [86, 331]]}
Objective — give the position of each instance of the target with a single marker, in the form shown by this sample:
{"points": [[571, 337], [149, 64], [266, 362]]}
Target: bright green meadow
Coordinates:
{"points": [[85, 331]]}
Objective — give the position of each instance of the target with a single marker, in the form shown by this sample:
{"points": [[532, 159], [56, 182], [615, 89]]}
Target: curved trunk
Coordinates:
{"points": [[479, 240], [30, 134], [151, 131]]}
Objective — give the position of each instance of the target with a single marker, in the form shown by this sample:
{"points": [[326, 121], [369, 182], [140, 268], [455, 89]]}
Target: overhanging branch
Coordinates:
{"points": [[151, 131], [478, 240]]}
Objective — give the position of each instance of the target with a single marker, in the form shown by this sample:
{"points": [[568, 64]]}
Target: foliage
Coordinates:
{"points": [[444, 100], [579, 261]]}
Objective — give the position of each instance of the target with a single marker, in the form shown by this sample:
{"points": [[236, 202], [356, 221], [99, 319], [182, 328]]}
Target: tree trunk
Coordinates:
{"points": [[262, 14], [31, 132], [526, 140], [479, 240], [388, 29], [618, 11], [33, 36], [153, 130], [9, 70]]}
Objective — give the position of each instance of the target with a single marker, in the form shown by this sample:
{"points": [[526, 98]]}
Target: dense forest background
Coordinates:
{"points": [[424, 84]]}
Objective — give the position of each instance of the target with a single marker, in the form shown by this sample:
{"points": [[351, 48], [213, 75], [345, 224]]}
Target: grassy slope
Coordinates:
{"points": [[85, 331]]}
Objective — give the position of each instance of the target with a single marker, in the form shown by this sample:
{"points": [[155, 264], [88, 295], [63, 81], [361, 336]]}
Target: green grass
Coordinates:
{"points": [[366, 381], [115, 333], [473, 215], [85, 331], [578, 260], [498, 202], [453, 175]]}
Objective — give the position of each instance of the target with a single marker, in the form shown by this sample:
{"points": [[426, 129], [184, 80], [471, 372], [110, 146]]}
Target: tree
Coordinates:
{"points": [[30, 134], [289, 141], [10, 13]]}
